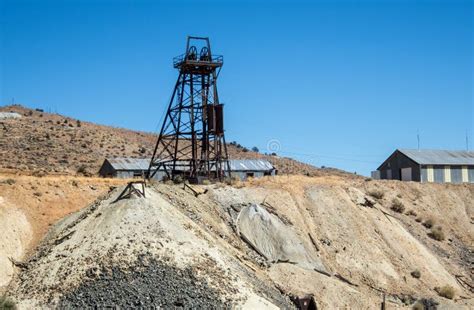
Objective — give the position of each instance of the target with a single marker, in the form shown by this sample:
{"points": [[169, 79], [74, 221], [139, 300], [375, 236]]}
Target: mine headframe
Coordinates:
{"points": [[191, 142]]}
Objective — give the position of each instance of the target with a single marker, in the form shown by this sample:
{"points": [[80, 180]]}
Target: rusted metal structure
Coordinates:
{"points": [[131, 189], [191, 142]]}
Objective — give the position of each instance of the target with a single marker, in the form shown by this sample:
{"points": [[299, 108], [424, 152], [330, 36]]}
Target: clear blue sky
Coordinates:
{"points": [[337, 83]]}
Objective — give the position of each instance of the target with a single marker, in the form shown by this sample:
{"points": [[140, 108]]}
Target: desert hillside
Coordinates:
{"points": [[350, 242], [44, 143], [347, 242]]}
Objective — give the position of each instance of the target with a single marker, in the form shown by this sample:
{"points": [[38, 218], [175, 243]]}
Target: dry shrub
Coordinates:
{"points": [[39, 173], [437, 233], [8, 181], [376, 193], [418, 306], [446, 291], [7, 303], [397, 206], [82, 169], [178, 179], [411, 213], [416, 274], [429, 223], [419, 219]]}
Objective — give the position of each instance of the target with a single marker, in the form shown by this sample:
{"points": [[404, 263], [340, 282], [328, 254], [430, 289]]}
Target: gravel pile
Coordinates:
{"points": [[148, 284]]}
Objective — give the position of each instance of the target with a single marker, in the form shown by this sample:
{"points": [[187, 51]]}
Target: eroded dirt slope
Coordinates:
{"points": [[30, 205], [360, 248]]}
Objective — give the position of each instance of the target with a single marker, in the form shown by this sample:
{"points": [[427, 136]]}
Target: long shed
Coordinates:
{"points": [[439, 166], [137, 167]]}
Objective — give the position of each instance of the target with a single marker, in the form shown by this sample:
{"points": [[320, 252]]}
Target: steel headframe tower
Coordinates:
{"points": [[191, 141]]}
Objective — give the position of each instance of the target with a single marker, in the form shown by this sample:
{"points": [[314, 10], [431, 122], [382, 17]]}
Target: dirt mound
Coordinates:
{"points": [[148, 283], [30, 205], [16, 236], [115, 235], [368, 249]]}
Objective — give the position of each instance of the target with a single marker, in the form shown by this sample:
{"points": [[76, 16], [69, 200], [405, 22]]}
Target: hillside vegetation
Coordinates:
{"points": [[44, 143]]}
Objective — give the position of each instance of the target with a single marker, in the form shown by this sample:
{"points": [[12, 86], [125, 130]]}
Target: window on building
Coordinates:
{"points": [[470, 173], [424, 174], [456, 174], [438, 172]]}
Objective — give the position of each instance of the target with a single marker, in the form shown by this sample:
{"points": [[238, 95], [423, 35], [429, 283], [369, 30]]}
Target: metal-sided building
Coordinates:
{"points": [[124, 167], [439, 166], [255, 168], [137, 167]]}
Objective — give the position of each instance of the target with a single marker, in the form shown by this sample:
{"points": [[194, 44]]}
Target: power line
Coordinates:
{"points": [[329, 157]]}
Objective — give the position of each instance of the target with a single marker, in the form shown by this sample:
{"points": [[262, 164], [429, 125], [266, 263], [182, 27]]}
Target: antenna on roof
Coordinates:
{"points": [[418, 138], [467, 141]]}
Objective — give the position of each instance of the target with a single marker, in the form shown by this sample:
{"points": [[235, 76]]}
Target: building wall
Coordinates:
{"points": [[244, 175], [447, 174], [465, 174], [470, 174], [392, 167], [427, 174], [106, 170], [397, 163], [124, 174], [159, 175], [438, 173], [456, 174]]}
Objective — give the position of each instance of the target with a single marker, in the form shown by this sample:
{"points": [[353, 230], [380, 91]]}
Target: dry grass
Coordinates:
{"points": [[446, 291], [418, 305], [376, 193], [416, 274], [8, 181], [411, 213], [6, 303], [397, 206], [437, 233], [429, 223]]}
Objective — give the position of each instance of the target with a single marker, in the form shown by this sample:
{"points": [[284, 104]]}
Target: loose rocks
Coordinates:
{"points": [[149, 283]]}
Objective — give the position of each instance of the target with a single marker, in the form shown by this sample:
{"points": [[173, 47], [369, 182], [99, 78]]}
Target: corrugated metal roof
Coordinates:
{"points": [[5, 115], [129, 163], [250, 165], [235, 164], [440, 157]]}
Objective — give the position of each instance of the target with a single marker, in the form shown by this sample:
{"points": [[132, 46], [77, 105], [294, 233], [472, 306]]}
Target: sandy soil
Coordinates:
{"points": [[117, 233], [367, 249], [30, 205]]}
